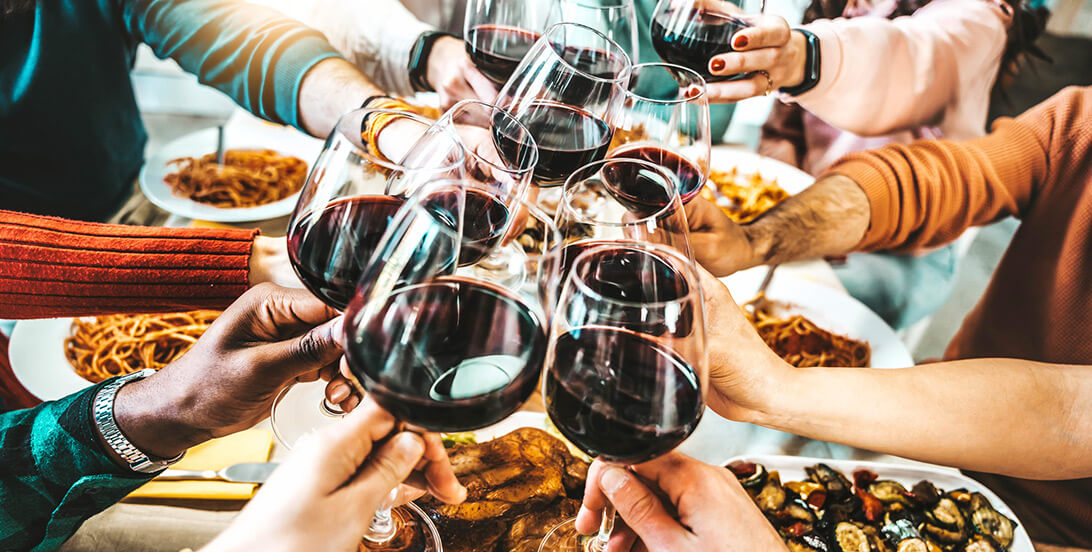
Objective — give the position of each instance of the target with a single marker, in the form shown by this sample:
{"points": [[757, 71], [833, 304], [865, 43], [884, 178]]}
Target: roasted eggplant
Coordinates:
{"points": [[772, 496], [749, 474], [836, 484], [989, 522], [890, 492]]}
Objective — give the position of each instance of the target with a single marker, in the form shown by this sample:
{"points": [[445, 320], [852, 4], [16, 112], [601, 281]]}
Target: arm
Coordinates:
{"points": [[268, 63], [903, 73], [54, 267]]}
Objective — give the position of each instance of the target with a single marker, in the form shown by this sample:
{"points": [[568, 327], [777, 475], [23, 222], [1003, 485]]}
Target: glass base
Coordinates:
{"points": [[565, 538], [300, 410], [415, 533]]}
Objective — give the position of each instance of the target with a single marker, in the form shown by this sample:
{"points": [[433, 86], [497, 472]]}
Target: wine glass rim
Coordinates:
{"points": [[692, 294], [383, 162], [700, 81], [626, 67], [511, 118], [570, 184], [617, 5]]}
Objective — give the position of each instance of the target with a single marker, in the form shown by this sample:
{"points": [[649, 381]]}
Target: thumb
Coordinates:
{"points": [[387, 468], [316, 348], [643, 511]]}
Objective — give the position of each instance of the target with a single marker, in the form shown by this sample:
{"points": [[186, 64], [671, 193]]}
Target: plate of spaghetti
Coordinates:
{"points": [[263, 172], [809, 324], [56, 357], [745, 185]]}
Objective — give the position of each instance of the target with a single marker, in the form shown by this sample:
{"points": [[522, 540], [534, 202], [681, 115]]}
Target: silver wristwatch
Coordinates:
{"points": [[103, 411]]}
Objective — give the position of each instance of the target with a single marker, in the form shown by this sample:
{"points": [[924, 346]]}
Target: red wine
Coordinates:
{"points": [[329, 250], [620, 396], [691, 41], [687, 175], [449, 355], [496, 50], [485, 221], [568, 138]]}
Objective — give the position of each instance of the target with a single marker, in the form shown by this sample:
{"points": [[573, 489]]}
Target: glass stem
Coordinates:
{"points": [[383, 527], [606, 527]]}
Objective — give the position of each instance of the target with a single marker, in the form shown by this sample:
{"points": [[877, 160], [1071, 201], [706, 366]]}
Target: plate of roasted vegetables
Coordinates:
{"points": [[822, 505]]}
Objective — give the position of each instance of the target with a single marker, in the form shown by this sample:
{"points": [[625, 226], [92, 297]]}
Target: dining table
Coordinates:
{"points": [[171, 525]]}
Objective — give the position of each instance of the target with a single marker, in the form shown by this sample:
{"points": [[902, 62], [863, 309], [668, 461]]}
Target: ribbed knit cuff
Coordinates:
{"points": [[880, 186]]}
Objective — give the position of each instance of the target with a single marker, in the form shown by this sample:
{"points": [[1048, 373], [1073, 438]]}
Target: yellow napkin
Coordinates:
{"points": [[209, 224], [252, 445]]}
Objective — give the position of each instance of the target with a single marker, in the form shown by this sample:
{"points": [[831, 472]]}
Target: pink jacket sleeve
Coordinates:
{"points": [[880, 76]]}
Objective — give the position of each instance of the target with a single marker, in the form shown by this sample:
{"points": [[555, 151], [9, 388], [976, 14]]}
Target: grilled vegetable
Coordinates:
{"points": [[905, 538], [772, 496], [925, 493], [890, 492], [872, 507], [980, 543], [749, 474], [989, 522], [836, 484], [851, 538], [810, 543]]}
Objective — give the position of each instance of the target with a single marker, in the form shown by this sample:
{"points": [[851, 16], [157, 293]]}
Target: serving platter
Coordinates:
{"points": [[791, 468], [283, 140]]}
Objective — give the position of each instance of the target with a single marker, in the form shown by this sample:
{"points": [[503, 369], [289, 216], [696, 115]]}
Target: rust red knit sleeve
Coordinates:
{"points": [[57, 267]]}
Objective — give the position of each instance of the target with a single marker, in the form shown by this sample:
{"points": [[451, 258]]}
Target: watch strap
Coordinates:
{"points": [[812, 64], [418, 61], [103, 414]]}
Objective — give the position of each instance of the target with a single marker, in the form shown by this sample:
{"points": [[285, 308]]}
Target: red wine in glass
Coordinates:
{"points": [[496, 50], [568, 138], [619, 396], [329, 254], [451, 354], [688, 176], [690, 38], [485, 220]]}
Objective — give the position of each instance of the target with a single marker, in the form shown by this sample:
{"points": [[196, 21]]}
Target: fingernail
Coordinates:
{"points": [[739, 42], [716, 65], [612, 480], [339, 393]]}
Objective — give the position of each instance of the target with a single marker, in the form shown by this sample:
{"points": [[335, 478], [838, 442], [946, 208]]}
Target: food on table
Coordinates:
{"points": [[247, 178], [743, 197], [800, 342], [828, 513], [519, 487], [118, 344]]}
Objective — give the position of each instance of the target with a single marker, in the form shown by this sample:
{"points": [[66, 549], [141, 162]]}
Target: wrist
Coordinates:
{"points": [[761, 243], [798, 48], [152, 419], [264, 252]]}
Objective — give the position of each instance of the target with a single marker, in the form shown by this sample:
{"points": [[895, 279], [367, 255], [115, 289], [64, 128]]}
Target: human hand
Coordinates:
{"points": [[269, 263], [270, 337], [768, 45], [675, 503], [324, 496], [453, 75], [719, 244]]}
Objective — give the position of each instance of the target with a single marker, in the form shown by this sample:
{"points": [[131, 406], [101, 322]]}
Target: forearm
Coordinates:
{"points": [[331, 88], [1006, 416], [827, 219]]}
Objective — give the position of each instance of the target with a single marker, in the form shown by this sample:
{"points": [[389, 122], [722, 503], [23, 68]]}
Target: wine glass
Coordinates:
{"points": [[434, 345], [498, 33], [565, 91], [689, 32], [616, 200], [615, 18], [665, 120], [626, 367]]}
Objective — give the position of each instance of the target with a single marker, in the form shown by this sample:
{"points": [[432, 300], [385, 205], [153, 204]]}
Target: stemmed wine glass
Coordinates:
{"points": [[689, 32], [665, 119], [566, 91], [617, 200], [615, 18], [626, 367], [498, 33]]}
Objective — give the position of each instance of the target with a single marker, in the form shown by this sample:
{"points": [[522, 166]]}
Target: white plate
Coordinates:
{"points": [[791, 468], [283, 140], [37, 358], [790, 178]]}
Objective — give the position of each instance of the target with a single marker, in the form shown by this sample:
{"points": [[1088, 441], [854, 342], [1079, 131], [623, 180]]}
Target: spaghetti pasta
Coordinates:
{"points": [[119, 344], [801, 343], [743, 198], [247, 178]]}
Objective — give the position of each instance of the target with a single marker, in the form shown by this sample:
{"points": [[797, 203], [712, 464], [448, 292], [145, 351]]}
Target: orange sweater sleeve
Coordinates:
{"points": [[927, 193], [56, 267]]}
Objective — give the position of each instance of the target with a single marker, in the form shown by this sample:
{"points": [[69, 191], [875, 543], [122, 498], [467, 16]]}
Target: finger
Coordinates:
{"points": [[350, 404], [587, 520], [329, 372], [323, 374], [310, 352], [387, 467], [734, 91], [734, 63], [642, 510], [336, 452], [767, 31], [439, 473], [338, 390], [622, 537], [483, 88], [273, 313]]}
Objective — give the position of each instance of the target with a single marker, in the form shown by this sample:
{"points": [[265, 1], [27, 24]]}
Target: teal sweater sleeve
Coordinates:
{"points": [[252, 53], [54, 474]]}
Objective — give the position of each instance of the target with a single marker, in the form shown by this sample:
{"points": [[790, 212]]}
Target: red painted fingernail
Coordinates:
{"points": [[717, 64], [740, 42]]}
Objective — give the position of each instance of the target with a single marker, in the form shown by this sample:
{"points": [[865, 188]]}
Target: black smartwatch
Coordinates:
{"points": [[811, 65], [418, 60]]}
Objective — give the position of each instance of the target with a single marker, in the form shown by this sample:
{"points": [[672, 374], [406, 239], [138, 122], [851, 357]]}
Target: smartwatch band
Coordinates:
{"points": [[418, 61], [812, 64]]}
